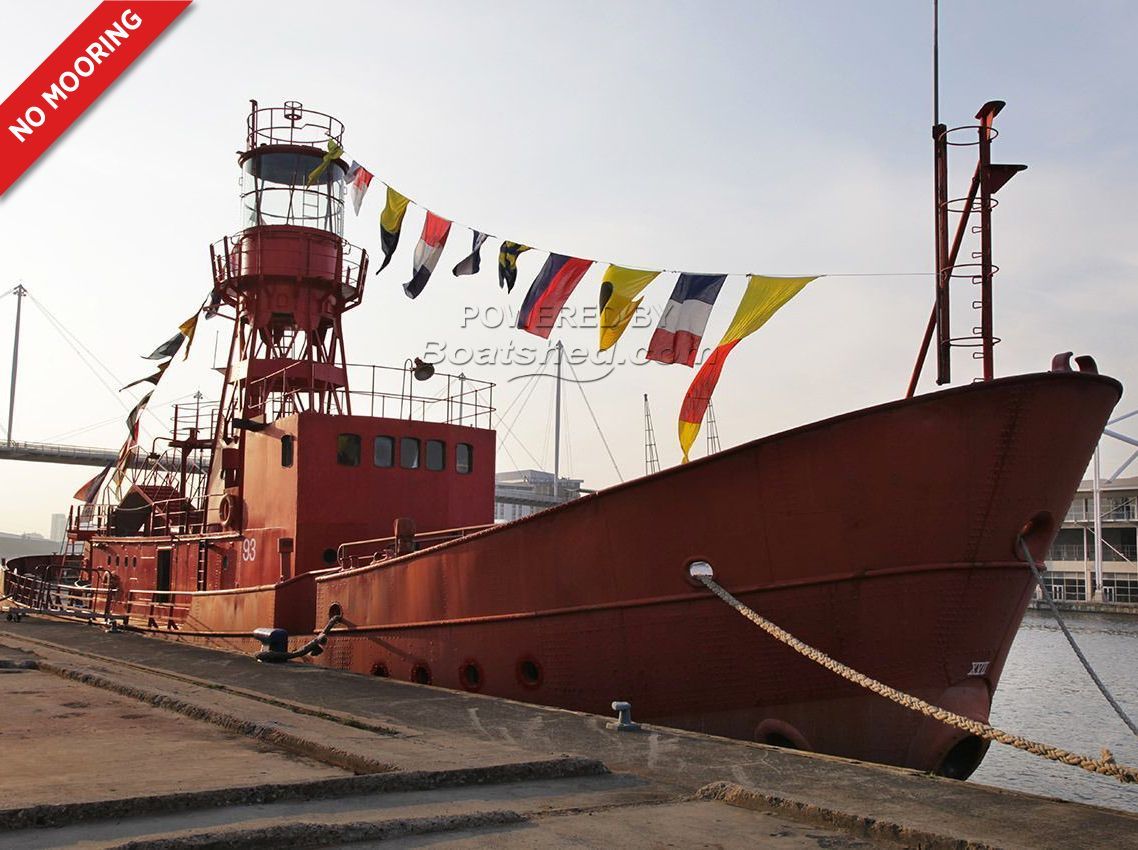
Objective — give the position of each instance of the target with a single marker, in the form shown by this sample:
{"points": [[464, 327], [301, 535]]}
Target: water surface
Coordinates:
{"points": [[1046, 695]]}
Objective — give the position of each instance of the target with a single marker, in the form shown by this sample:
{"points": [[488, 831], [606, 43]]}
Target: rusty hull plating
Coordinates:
{"points": [[886, 537]]}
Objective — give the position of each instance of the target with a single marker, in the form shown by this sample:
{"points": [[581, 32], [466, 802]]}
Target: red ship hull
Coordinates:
{"points": [[885, 537]]}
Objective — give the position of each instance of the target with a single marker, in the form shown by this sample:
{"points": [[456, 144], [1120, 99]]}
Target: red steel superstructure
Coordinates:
{"points": [[886, 537]]}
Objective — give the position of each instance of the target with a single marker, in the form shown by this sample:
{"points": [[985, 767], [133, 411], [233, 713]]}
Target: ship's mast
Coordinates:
{"points": [[987, 179]]}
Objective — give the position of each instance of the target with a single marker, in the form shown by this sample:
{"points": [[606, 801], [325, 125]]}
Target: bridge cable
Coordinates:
{"points": [[68, 336], [75, 344], [531, 385], [597, 424]]}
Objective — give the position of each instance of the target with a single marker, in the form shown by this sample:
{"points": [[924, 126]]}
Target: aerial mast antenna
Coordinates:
{"points": [[941, 310], [936, 62]]}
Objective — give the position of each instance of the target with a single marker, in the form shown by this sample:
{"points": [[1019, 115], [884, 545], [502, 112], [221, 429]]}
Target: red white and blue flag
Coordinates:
{"points": [[677, 337], [549, 292], [357, 179], [427, 253]]}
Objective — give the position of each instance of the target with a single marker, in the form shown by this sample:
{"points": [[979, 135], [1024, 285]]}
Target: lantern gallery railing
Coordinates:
{"points": [[254, 253], [291, 124]]}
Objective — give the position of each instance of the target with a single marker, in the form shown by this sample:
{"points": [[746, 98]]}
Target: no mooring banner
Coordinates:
{"points": [[49, 101]]}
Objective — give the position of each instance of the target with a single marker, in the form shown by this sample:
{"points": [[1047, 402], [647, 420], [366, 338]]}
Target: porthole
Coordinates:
{"points": [[529, 672], [329, 556], [421, 674], [379, 669], [470, 675]]}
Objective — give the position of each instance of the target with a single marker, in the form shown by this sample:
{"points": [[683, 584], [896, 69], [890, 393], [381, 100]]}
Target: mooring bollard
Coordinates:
{"points": [[623, 722]]}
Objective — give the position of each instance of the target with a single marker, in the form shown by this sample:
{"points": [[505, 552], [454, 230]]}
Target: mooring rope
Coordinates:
{"points": [[1071, 640], [1105, 765]]}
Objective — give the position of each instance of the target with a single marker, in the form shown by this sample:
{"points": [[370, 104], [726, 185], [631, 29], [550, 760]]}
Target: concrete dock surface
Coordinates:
{"points": [[121, 740]]}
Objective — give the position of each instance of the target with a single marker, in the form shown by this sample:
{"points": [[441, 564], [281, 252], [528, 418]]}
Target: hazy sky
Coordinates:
{"points": [[768, 137]]}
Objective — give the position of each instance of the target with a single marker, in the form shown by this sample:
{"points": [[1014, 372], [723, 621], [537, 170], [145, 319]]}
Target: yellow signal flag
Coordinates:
{"points": [[618, 301], [391, 224], [335, 151], [187, 329], [763, 298]]}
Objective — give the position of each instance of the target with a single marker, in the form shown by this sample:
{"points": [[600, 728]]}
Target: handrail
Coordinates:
{"points": [[459, 400], [222, 591], [348, 560]]}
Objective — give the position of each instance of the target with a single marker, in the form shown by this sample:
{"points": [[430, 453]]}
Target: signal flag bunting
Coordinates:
{"points": [[762, 299]]}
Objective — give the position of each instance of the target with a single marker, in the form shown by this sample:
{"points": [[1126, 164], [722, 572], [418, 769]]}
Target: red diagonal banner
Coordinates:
{"points": [[74, 75]]}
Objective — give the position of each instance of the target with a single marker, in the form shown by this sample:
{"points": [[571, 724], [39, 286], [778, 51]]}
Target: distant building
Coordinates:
{"points": [[522, 492], [58, 526], [15, 545], [1071, 561]]}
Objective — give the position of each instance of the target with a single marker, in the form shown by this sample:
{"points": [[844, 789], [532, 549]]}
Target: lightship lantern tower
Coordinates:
{"points": [[289, 276]]}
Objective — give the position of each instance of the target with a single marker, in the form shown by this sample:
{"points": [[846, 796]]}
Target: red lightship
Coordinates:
{"points": [[886, 537]]}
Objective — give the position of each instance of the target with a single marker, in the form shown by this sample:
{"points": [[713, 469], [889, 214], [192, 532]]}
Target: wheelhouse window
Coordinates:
{"points": [[348, 450], [383, 452], [287, 442], [436, 455], [409, 453], [463, 458]]}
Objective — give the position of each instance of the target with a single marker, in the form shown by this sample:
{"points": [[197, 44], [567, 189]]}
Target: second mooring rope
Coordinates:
{"points": [[1071, 640], [1105, 765]]}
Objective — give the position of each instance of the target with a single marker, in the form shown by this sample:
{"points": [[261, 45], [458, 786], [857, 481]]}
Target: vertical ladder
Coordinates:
{"points": [[309, 210], [651, 456], [712, 430], [203, 564]]}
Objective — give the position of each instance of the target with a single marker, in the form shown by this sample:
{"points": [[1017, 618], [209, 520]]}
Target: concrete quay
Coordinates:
{"points": [[119, 740]]}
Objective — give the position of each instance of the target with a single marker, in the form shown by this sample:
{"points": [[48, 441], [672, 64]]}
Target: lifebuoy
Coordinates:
{"points": [[229, 511]]}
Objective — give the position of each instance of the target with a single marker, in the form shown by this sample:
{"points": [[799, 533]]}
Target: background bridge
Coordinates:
{"points": [[517, 493]]}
